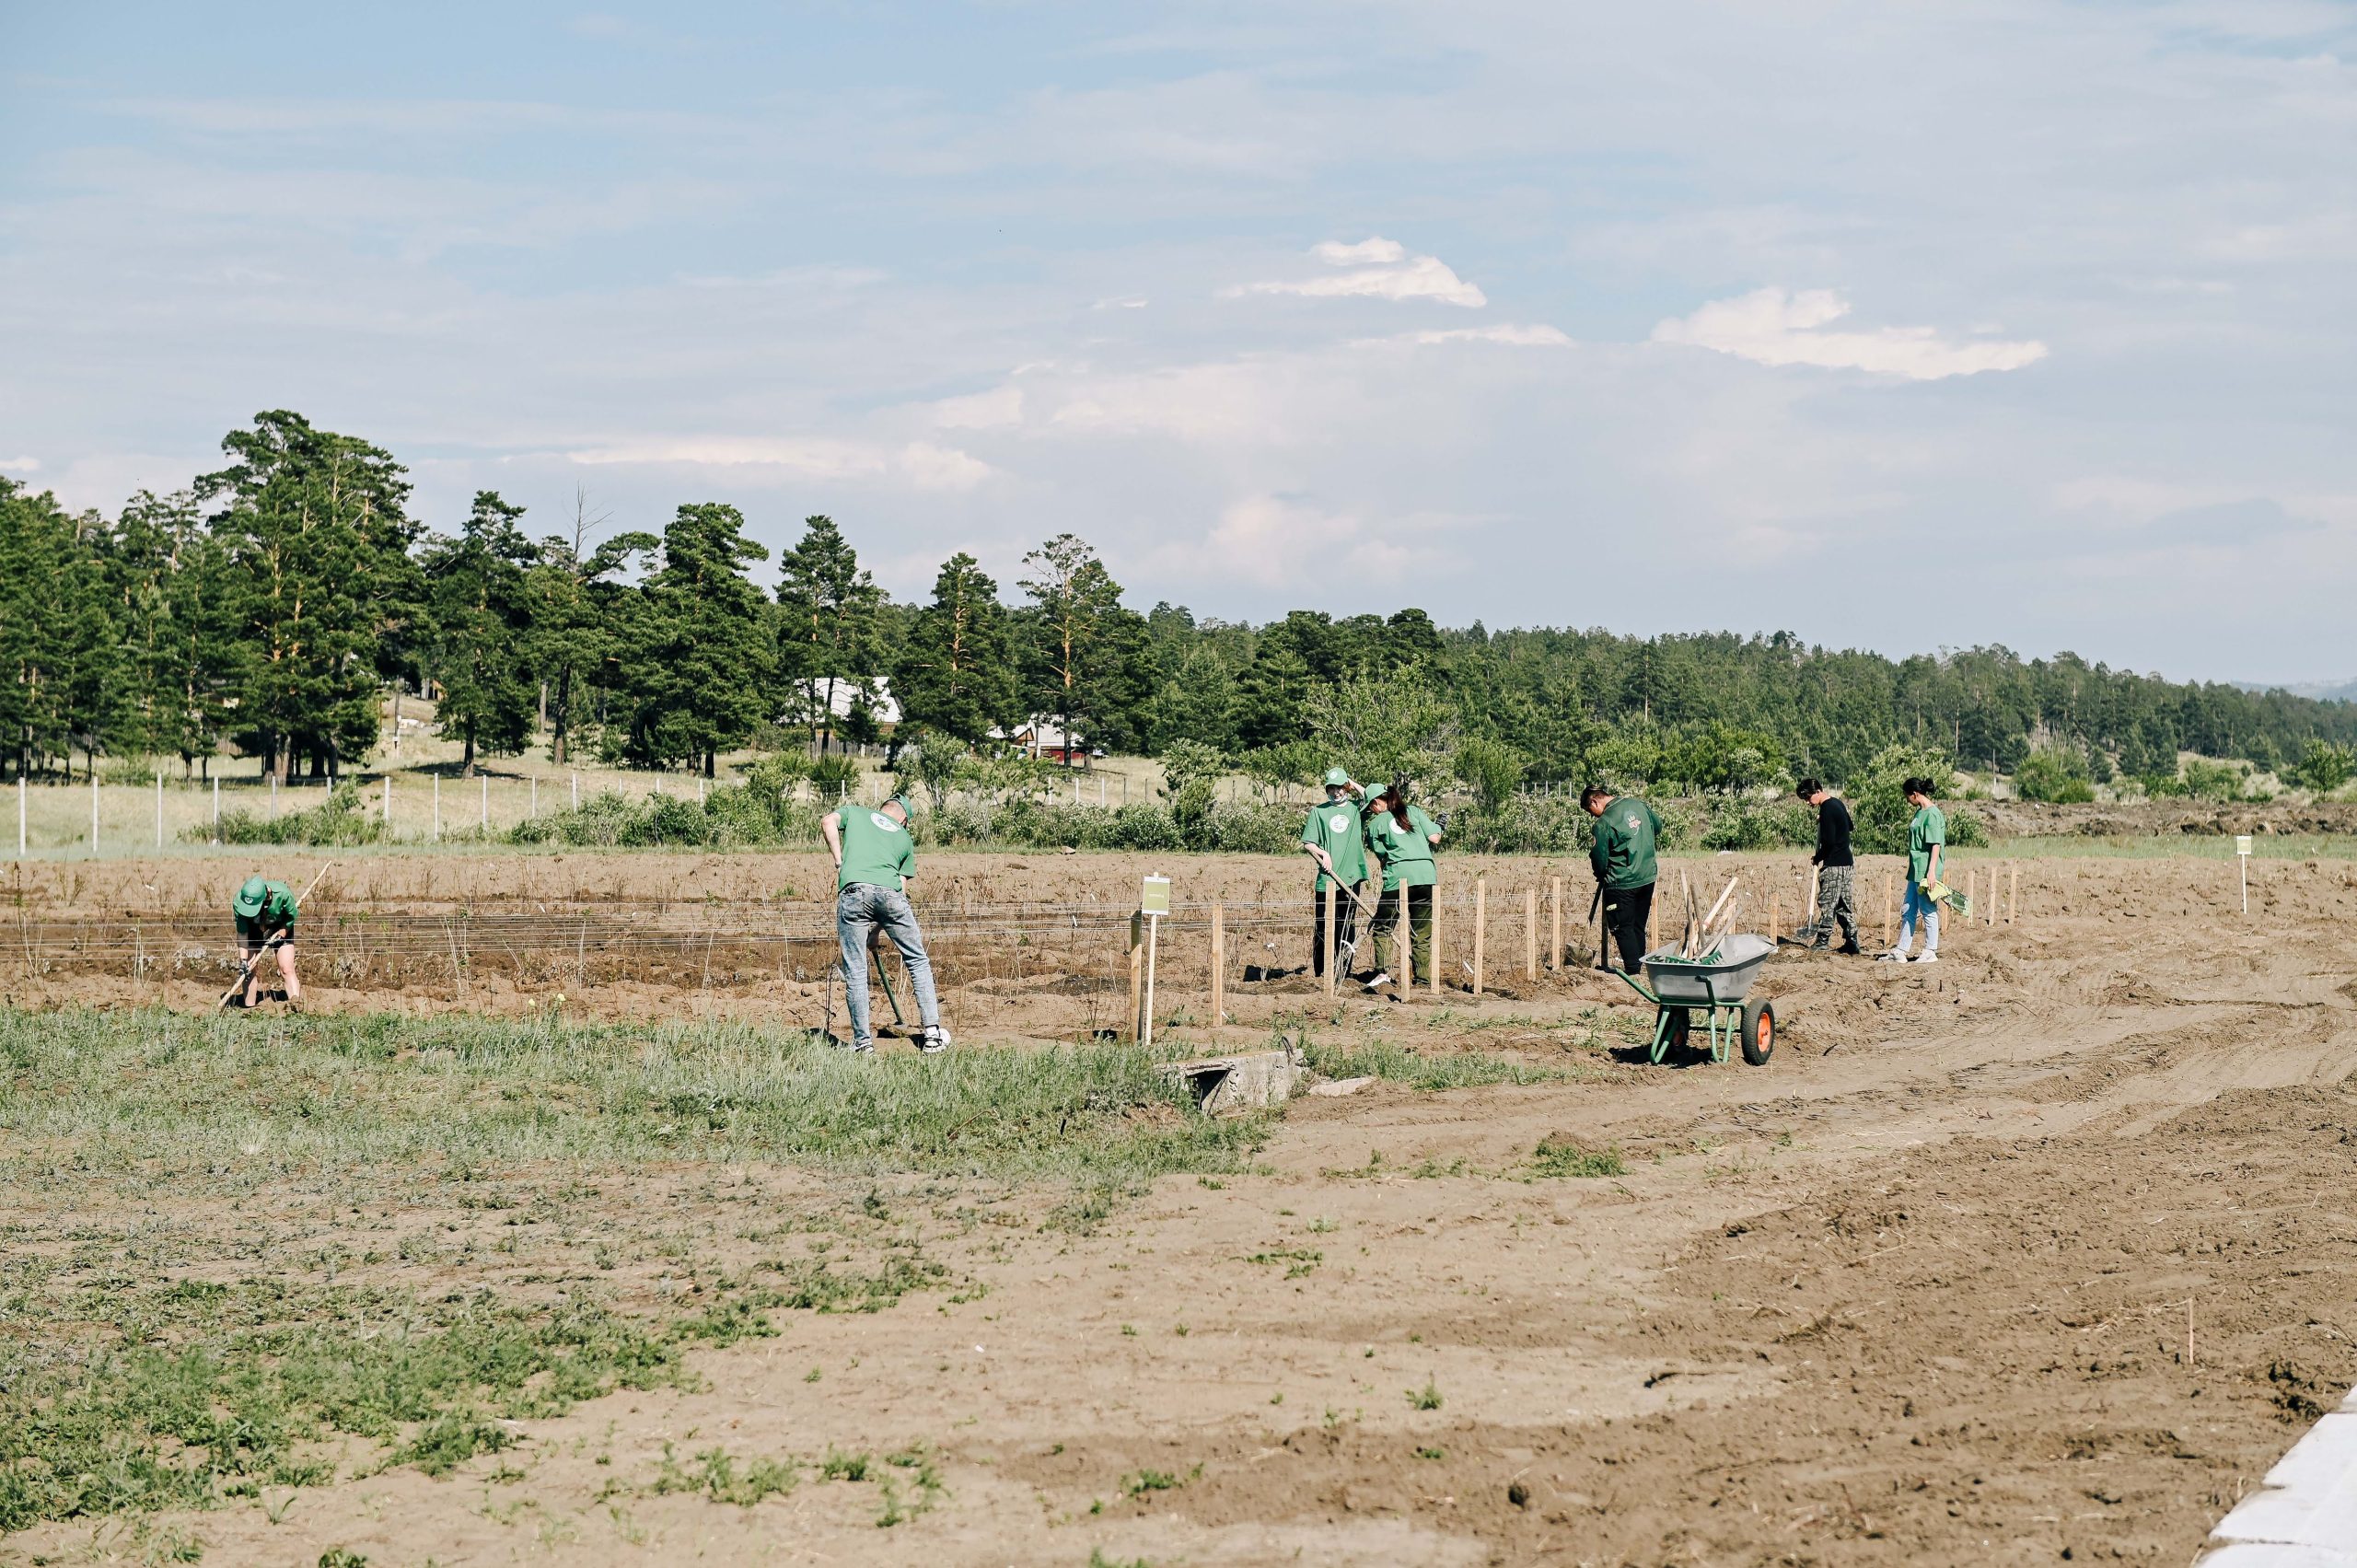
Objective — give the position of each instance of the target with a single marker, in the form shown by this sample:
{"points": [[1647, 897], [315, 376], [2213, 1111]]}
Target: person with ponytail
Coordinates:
{"points": [[1402, 837]]}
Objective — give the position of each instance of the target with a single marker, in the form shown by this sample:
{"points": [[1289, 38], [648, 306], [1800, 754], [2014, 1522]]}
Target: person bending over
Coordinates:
{"points": [[874, 857], [266, 919]]}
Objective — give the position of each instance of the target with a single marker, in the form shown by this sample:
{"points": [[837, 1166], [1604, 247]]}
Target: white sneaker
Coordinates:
{"points": [[1379, 981], [1928, 956], [934, 1040], [1894, 956]]}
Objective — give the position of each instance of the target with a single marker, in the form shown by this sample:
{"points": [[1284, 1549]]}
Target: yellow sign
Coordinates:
{"points": [[1155, 897]]}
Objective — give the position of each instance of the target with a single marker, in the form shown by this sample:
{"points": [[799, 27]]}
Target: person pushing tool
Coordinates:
{"points": [[874, 857], [1332, 838], [264, 911]]}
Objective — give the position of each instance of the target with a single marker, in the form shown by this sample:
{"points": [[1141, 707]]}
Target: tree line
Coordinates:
{"points": [[266, 609]]}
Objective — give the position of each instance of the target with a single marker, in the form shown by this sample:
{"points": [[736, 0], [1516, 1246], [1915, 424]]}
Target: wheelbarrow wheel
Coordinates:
{"points": [[1681, 1023], [1759, 1037]]}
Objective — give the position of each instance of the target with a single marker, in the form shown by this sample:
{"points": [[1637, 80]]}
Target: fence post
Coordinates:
{"points": [[273, 796], [438, 810], [535, 794], [1481, 929], [485, 780], [1219, 964], [1326, 938], [1888, 932], [1554, 923], [159, 809], [576, 789], [1776, 916], [1434, 977], [94, 808], [21, 815], [1530, 934], [1403, 984], [389, 800], [1137, 973], [216, 808], [2013, 895]]}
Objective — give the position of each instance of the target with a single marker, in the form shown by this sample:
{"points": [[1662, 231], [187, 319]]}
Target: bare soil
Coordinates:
{"points": [[2040, 1254]]}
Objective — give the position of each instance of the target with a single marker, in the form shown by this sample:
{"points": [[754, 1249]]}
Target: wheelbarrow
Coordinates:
{"points": [[1719, 987]]}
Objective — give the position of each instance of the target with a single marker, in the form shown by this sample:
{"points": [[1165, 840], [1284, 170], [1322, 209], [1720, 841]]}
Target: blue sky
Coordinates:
{"points": [[1899, 327]]}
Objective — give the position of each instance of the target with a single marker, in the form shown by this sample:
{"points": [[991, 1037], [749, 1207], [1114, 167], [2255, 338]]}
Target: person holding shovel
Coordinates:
{"points": [[1402, 838], [1837, 902], [1622, 857], [1927, 836], [1332, 838], [874, 857], [265, 918]]}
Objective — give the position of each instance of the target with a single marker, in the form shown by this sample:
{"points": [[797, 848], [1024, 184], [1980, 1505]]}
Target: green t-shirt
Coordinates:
{"points": [[1407, 852], [1930, 826], [1623, 855], [1334, 827], [876, 850], [277, 912]]}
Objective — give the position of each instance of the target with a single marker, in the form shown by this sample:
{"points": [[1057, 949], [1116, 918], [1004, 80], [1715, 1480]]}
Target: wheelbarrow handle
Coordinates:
{"points": [[1638, 986]]}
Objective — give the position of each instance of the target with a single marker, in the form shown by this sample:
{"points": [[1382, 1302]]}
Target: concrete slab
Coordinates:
{"points": [[2305, 1513]]}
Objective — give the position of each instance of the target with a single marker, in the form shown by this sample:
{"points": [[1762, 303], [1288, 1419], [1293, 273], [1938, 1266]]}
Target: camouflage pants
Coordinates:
{"points": [[1837, 903]]}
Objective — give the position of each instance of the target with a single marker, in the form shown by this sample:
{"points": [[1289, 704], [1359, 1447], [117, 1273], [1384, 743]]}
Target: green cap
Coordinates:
{"points": [[1339, 776], [250, 896]]}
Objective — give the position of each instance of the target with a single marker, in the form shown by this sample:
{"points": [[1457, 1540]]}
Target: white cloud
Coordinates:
{"points": [[1397, 275], [1534, 335], [1273, 542], [918, 463], [995, 409], [1772, 327], [20, 465]]}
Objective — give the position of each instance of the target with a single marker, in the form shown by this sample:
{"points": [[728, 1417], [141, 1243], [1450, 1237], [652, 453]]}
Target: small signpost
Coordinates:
{"points": [[2242, 858], [1154, 906]]}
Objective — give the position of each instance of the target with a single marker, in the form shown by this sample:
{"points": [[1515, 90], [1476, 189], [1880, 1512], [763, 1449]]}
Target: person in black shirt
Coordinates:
{"points": [[1837, 900]]}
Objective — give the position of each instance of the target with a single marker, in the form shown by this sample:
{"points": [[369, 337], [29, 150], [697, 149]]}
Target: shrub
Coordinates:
{"points": [[2206, 780], [1741, 822], [1881, 810], [2056, 775], [2323, 767], [338, 822]]}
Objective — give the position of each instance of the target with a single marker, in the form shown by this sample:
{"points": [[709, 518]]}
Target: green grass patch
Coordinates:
{"points": [[1445, 1070], [249, 1100], [1559, 1156]]}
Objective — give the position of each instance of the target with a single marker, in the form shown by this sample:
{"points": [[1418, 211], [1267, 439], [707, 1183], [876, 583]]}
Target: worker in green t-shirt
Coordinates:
{"points": [[1927, 837], [874, 857], [264, 911], [1402, 837], [1332, 838], [1623, 858]]}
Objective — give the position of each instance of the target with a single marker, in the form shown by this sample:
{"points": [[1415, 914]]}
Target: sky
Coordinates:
{"points": [[1902, 327]]}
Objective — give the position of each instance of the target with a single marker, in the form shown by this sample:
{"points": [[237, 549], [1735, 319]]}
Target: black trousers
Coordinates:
{"points": [[1346, 926], [1626, 910]]}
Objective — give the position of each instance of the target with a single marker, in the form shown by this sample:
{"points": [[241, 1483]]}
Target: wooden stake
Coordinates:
{"points": [[1219, 964], [1530, 934], [1889, 931], [1403, 984], [2013, 895], [1555, 923], [1992, 896], [1137, 973], [1481, 929], [1434, 977], [1329, 942], [1775, 915], [1653, 926]]}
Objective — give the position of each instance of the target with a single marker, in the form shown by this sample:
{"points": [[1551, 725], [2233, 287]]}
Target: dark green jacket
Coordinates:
{"points": [[1623, 855]]}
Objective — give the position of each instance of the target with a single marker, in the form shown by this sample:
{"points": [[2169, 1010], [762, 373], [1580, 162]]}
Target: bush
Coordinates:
{"points": [[336, 822], [1741, 822], [1881, 810], [2323, 767], [2206, 780], [2054, 774]]}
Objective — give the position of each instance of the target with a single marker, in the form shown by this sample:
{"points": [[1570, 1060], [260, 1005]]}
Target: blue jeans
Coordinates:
{"points": [[859, 910], [1918, 903]]}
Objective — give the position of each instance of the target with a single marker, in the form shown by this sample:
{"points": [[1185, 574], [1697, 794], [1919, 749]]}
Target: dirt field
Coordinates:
{"points": [[2042, 1254]]}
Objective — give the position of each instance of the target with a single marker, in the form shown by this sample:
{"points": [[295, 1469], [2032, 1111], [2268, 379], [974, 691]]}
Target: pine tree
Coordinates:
{"points": [[58, 652], [481, 613], [318, 544], [700, 662], [828, 632], [1081, 650], [580, 620], [956, 674]]}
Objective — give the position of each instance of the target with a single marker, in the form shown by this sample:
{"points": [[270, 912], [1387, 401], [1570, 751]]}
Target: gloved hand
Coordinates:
{"points": [[1928, 884]]}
